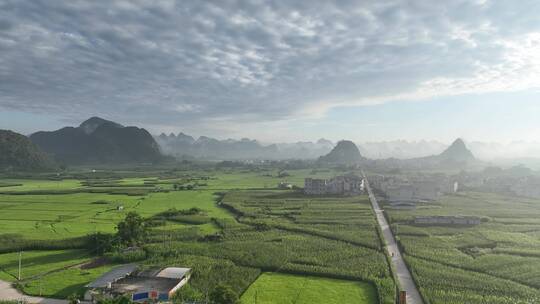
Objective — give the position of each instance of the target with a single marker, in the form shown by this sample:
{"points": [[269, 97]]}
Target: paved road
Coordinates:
{"points": [[402, 272], [7, 292]]}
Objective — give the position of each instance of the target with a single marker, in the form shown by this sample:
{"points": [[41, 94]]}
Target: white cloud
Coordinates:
{"points": [[244, 62]]}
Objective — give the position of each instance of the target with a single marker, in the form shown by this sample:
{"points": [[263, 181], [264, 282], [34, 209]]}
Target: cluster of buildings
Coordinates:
{"points": [[527, 187], [339, 185], [414, 188], [512, 181], [447, 220], [155, 284]]}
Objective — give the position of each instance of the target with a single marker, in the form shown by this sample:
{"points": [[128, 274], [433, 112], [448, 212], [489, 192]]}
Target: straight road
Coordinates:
{"points": [[8, 293], [402, 272]]}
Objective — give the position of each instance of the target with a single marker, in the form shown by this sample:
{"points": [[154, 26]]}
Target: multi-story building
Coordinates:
{"points": [[340, 185], [315, 186], [413, 188]]}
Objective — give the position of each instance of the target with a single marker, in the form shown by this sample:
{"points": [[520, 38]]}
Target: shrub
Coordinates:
{"points": [[223, 294]]}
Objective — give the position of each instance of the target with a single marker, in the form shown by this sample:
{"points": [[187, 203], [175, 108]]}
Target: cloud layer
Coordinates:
{"points": [[227, 63]]}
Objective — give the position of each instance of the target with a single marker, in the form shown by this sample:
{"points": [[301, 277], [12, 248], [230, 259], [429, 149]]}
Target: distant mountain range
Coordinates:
{"points": [[97, 140], [17, 152], [183, 145], [324, 151], [401, 149]]}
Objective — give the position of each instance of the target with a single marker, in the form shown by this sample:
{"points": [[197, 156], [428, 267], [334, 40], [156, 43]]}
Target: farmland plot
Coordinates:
{"points": [[497, 261]]}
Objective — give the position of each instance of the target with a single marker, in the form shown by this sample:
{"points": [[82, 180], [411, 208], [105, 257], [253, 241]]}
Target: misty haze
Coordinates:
{"points": [[258, 152]]}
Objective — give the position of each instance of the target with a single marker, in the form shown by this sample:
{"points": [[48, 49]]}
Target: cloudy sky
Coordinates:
{"points": [[276, 70]]}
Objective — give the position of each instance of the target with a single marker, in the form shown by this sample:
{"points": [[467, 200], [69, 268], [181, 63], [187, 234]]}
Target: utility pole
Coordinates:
{"points": [[20, 258]]}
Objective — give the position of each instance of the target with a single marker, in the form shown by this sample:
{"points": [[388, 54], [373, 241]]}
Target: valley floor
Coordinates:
{"points": [[244, 226]]}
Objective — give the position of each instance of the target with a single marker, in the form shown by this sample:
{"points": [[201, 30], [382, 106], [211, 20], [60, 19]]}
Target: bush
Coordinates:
{"points": [[132, 229], [223, 294]]}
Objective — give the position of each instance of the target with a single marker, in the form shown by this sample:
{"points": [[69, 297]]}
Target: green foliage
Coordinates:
{"points": [[126, 256], [132, 230], [73, 299], [187, 294], [99, 243], [223, 294]]}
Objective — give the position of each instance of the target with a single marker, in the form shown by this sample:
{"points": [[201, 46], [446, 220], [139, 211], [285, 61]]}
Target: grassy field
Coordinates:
{"points": [[497, 261], [51, 273], [284, 230], [45, 209], [63, 284], [284, 288], [38, 262]]}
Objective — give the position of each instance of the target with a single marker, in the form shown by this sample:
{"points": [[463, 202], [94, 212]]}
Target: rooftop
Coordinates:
{"points": [[173, 273], [138, 284], [112, 276]]}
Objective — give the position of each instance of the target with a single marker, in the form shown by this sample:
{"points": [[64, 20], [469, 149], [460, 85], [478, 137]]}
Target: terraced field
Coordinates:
{"points": [[497, 261]]}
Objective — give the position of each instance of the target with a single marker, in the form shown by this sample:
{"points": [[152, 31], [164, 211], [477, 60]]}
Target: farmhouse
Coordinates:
{"points": [[341, 185], [157, 284], [447, 220]]}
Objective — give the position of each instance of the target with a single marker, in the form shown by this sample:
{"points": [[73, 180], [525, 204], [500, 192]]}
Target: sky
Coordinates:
{"points": [[277, 71]]}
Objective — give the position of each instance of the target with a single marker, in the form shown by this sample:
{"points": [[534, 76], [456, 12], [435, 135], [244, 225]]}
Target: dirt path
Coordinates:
{"points": [[8, 293], [402, 272]]}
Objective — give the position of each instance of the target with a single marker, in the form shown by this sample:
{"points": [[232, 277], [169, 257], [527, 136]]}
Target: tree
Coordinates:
{"points": [[223, 294], [100, 243], [132, 230]]}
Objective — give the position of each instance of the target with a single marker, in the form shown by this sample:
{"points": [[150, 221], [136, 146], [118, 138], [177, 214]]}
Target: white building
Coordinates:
{"points": [[340, 185]]}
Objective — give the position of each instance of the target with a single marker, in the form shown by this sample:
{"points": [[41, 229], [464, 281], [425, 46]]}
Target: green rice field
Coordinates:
{"points": [[292, 289]]}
